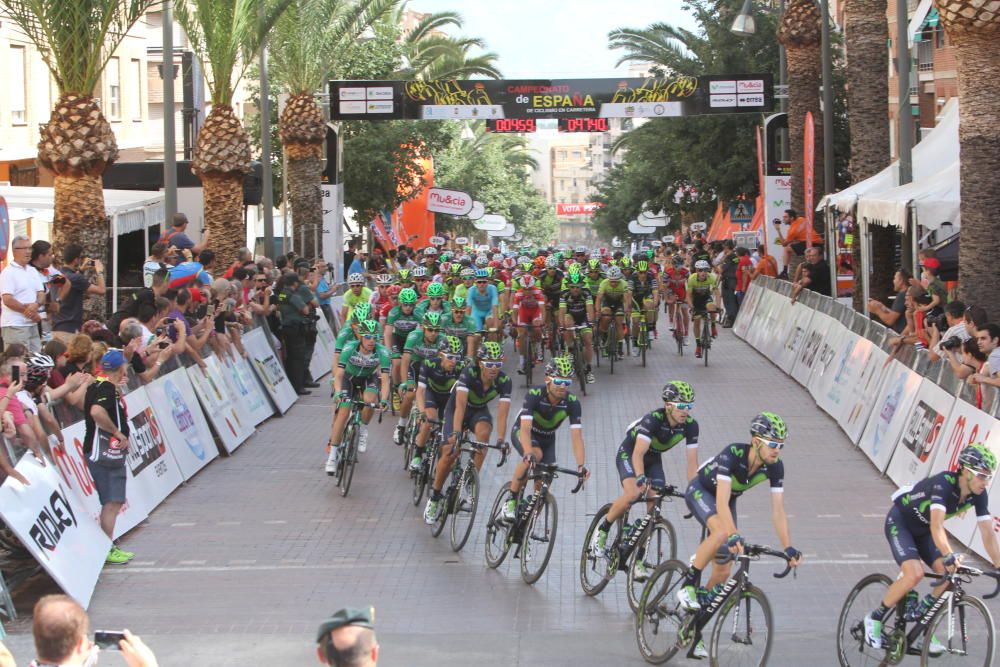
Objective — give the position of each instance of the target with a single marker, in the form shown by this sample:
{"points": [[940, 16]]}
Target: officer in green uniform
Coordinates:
{"points": [[294, 319]]}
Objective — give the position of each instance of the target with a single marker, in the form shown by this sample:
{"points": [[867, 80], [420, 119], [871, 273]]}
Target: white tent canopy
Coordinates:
{"points": [[129, 210], [939, 147], [934, 200]]}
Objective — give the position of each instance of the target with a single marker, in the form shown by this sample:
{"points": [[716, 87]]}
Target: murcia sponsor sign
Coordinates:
{"points": [[451, 202]]}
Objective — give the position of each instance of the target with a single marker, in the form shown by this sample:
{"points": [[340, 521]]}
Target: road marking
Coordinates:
{"points": [[249, 561], [321, 520], [872, 516], [275, 522], [827, 516], [228, 523], [142, 562], [292, 561], [854, 555], [183, 524], [191, 562]]}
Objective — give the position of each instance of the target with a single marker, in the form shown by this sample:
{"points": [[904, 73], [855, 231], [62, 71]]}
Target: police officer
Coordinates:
{"points": [[306, 292], [347, 639], [295, 316]]}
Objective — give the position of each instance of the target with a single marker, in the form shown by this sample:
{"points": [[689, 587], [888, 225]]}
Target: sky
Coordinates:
{"points": [[556, 38]]}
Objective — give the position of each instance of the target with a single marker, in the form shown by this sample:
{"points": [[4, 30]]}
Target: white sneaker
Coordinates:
{"points": [[598, 542], [509, 511], [700, 652], [635, 351], [688, 597], [432, 512], [936, 648], [590, 377], [873, 632], [640, 571], [686, 342], [415, 463], [363, 439], [331, 461], [397, 434]]}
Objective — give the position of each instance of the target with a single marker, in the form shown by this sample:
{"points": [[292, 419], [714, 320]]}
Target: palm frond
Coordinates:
{"points": [[433, 23]]}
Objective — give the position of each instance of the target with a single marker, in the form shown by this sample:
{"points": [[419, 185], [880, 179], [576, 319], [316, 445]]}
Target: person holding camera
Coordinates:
{"points": [[953, 337], [73, 292]]}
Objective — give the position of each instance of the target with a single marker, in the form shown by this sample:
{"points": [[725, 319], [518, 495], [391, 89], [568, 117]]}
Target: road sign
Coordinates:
{"points": [[741, 212]]}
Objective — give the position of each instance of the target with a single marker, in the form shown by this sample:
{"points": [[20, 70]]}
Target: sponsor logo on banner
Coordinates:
{"points": [[379, 107], [451, 202], [184, 420], [578, 209], [379, 93], [351, 94], [750, 86], [721, 87], [462, 240], [146, 446], [53, 519], [718, 101], [352, 107], [437, 240], [750, 100]]}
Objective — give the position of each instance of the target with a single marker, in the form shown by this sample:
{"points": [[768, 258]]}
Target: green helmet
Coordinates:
{"points": [[625, 262], [978, 457], [593, 264], [432, 319], [408, 296], [435, 290], [575, 280], [452, 345], [457, 303], [527, 266], [561, 367], [769, 425], [456, 268], [404, 276], [573, 269], [678, 391], [368, 327], [491, 351], [642, 266], [649, 254], [361, 312]]}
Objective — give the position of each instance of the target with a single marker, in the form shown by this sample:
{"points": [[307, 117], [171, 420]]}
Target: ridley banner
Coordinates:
{"points": [[551, 98]]}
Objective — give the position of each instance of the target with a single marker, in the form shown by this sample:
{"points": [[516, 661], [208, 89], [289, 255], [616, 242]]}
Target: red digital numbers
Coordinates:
{"points": [[584, 125], [508, 125]]}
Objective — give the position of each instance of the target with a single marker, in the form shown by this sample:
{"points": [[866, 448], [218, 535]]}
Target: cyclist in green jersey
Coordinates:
{"points": [[348, 333], [594, 275], [645, 297], [435, 301], [576, 308], [702, 288], [422, 343], [363, 367], [461, 325], [468, 276], [614, 300], [355, 294], [400, 322]]}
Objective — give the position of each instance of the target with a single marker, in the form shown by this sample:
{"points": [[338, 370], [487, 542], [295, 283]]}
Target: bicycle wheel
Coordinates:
{"points": [[466, 503], [350, 460], [660, 619], [742, 634], [966, 634], [529, 362], [706, 339], [449, 494], [598, 345], [597, 569], [580, 367], [658, 546], [865, 597], [643, 341], [497, 530], [420, 480], [539, 538], [338, 476], [612, 344], [409, 439]]}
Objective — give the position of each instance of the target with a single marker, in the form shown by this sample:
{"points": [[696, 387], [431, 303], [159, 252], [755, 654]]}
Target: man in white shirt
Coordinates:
{"points": [[22, 292], [954, 314]]}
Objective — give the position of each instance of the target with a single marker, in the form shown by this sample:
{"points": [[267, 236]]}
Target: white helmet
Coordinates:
{"points": [[383, 279], [356, 279], [551, 262], [482, 260], [614, 273], [701, 265], [430, 251]]}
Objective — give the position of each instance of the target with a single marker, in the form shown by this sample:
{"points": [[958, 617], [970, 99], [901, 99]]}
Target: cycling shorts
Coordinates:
{"points": [[615, 303], [528, 315], [358, 385], [436, 401], [904, 544], [700, 304], [652, 464], [398, 342], [473, 416], [579, 318], [479, 317], [702, 503], [545, 443]]}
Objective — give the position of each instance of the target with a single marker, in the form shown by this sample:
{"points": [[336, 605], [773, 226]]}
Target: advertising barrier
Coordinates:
{"points": [[923, 434], [245, 389], [179, 415], [153, 470], [322, 360], [890, 412], [268, 368], [230, 421]]}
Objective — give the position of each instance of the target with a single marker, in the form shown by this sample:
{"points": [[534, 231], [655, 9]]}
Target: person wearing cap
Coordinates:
{"points": [[347, 639], [294, 320], [106, 420]]}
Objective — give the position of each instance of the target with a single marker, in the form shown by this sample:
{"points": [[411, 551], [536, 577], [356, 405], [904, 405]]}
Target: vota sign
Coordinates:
{"points": [[451, 202]]}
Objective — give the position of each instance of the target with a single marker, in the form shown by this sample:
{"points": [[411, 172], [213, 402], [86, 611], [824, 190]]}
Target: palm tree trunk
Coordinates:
{"points": [[80, 217], [865, 31], [302, 132], [803, 96]]}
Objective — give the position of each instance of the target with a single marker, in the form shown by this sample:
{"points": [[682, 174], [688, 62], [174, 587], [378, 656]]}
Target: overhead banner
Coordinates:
{"points": [[551, 98], [451, 202], [490, 222], [269, 369], [635, 228], [55, 528], [232, 428], [179, 414], [578, 209]]}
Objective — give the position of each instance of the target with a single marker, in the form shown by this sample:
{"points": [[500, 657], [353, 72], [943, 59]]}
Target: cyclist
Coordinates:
{"points": [[381, 296], [361, 362], [434, 302], [468, 409], [576, 308], [355, 294], [551, 283], [348, 333], [434, 384], [422, 343], [468, 282], [674, 288], [702, 287], [421, 279], [645, 297], [915, 530], [594, 275], [529, 316], [711, 497], [459, 324], [614, 296], [484, 302], [400, 323], [533, 435], [639, 457]]}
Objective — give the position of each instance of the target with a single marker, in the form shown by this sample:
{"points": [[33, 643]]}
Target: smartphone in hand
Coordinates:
{"points": [[107, 640]]}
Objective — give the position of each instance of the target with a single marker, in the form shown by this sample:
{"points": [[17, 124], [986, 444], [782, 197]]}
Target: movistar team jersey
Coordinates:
{"points": [[425, 305], [733, 465], [613, 292], [401, 323], [421, 349], [576, 305], [434, 378], [701, 288], [662, 436], [940, 491], [358, 363], [551, 284], [481, 302], [471, 382], [460, 329], [546, 416], [643, 289]]}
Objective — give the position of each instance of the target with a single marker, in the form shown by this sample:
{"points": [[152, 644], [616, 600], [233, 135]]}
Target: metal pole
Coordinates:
{"points": [[782, 66], [169, 135], [903, 72], [828, 169], [267, 201]]}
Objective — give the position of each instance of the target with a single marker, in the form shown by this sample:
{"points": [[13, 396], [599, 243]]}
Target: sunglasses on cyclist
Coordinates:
{"points": [[562, 382], [495, 365], [434, 329], [453, 357], [368, 336], [985, 476], [683, 406], [481, 282], [773, 444]]}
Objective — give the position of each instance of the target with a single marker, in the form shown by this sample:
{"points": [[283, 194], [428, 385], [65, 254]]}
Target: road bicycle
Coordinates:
{"points": [[742, 635], [651, 541], [532, 533], [679, 332], [960, 622], [428, 460], [608, 344], [642, 339], [535, 350], [461, 499], [349, 449], [707, 318], [409, 439], [576, 349]]}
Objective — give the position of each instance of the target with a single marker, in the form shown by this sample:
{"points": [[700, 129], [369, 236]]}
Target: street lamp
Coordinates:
{"points": [[743, 25]]}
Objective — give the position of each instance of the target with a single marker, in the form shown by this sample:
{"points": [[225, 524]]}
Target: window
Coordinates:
{"points": [[18, 89], [114, 78], [577, 155], [135, 96], [562, 155], [939, 41]]}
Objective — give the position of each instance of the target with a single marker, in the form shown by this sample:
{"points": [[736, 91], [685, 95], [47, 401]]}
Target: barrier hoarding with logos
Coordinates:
{"points": [[149, 460], [859, 395], [231, 427], [267, 365], [798, 318], [922, 435], [246, 389], [184, 425], [890, 413], [821, 334]]}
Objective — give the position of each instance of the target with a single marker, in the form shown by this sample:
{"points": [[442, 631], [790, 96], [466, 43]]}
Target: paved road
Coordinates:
{"points": [[239, 565]]}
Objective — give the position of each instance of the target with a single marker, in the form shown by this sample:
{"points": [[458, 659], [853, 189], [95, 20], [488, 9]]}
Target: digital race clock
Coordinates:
{"points": [[508, 125], [584, 125]]}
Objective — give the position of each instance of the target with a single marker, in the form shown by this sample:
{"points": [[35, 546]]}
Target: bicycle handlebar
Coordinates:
{"points": [[552, 469], [475, 446], [968, 571], [756, 550]]}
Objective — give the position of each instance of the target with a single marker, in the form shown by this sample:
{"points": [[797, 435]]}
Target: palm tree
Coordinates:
{"points": [[799, 32], [226, 36], [865, 32], [669, 50], [515, 148], [305, 46], [429, 54], [974, 28], [75, 40]]}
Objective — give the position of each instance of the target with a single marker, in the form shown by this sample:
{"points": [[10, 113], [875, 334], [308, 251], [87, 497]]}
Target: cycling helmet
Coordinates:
{"points": [[452, 345], [482, 274], [625, 263], [677, 260], [496, 257], [509, 263], [490, 351], [408, 297], [976, 456], [458, 304], [481, 261], [356, 279], [561, 367], [432, 319], [456, 268], [678, 391], [650, 253], [524, 259], [552, 262], [581, 250], [770, 426], [420, 272], [527, 281], [445, 267], [539, 261], [593, 264], [368, 327], [527, 266], [362, 312], [465, 260], [468, 273], [404, 276], [383, 279], [614, 273], [701, 265], [446, 256], [494, 264], [39, 367], [642, 266], [574, 280], [489, 271], [430, 252], [435, 290], [394, 291]]}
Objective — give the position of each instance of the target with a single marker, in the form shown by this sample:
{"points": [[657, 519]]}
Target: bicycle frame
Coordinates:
{"points": [[952, 595], [639, 533]]}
